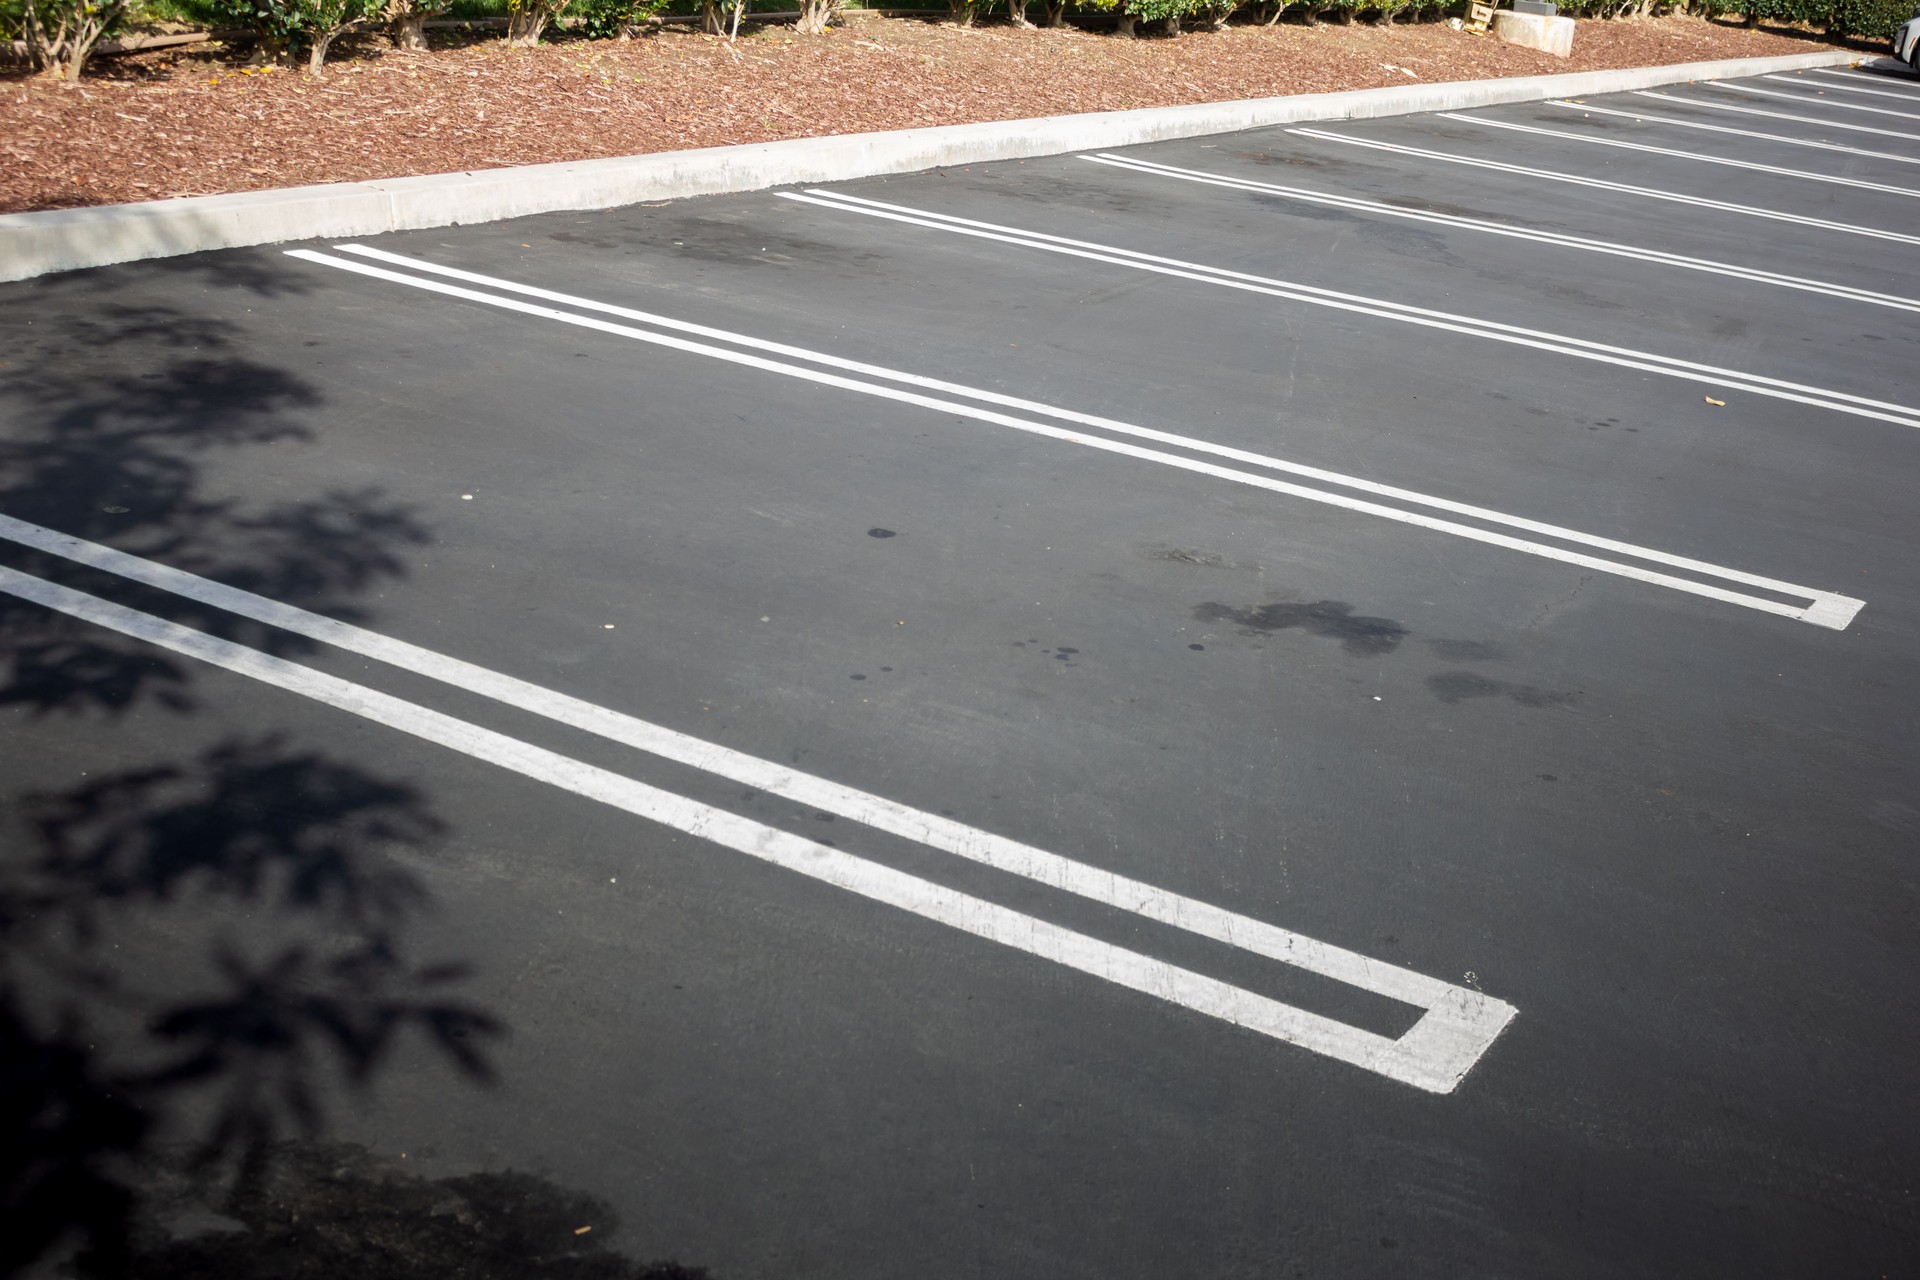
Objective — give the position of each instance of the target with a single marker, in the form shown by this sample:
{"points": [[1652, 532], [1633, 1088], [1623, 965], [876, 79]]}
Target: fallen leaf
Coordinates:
{"points": [[1711, 400]]}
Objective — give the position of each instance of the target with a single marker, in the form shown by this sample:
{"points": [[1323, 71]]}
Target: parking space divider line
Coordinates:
{"points": [[1540, 340], [1778, 115], [1455, 1029], [1804, 100], [1622, 144], [1538, 235], [1858, 88], [1825, 609], [1649, 118]]}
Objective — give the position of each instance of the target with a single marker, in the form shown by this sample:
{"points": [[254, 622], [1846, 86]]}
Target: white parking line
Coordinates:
{"points": [[1650, 193], [1493, 331], [1804, 100], [1824, 608], [1648, 117], [1697, 157], [1435, 1054], [1860, 88], [1558, 240], [1777, 115]]}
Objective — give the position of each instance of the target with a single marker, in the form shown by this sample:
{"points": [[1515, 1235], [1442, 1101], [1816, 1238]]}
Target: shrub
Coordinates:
{"points": [[527, 19], [407, 21], [1216, 12], [289, 28], [60, 34], [1872, 19], [1127, 12], [616, 19], [816, 14]]}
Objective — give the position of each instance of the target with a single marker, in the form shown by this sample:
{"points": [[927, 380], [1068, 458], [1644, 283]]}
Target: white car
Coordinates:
{"points": [[1906, 42]]}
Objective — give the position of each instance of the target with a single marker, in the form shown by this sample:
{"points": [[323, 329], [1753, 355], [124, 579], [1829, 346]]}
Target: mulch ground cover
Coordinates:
{"points": [[193, 120]]}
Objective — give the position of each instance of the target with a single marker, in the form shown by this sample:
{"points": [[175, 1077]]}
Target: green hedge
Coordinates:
{"points": [[1869, 19], [1865, 19]]}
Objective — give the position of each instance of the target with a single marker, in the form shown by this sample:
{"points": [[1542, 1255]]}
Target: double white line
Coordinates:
{"points": [[1711, 376], [1623, 188], [1805, 604], [1554, 239], [1589, 108], [1822, 121], [1805, 101], [1456, 1027]]}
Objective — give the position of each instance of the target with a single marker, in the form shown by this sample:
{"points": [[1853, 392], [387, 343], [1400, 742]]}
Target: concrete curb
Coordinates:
{"points": [[35, 244]]}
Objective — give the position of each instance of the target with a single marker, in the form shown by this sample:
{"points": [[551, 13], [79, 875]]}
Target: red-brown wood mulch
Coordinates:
{"points": [[192, 122]]}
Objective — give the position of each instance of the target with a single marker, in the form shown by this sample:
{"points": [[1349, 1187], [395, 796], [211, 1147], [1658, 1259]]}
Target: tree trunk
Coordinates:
{"points": [[1274, 9], [1386, 15], [1017, 14], [815, 15], [63, 52], [712, 21], [1123, 24], [317, 51], [960, 12], [408, 30], [524, 25], [1056, 12], [1218, 19], [1173, 24]]}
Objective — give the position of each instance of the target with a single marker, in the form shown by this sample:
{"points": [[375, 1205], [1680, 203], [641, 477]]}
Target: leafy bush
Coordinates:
{"points": [[616, 19], [1216, 12], [1873, 19], [407, 21], [1868, 19], [289, 28], [60, 34], [1127, 12], [526, 19]]}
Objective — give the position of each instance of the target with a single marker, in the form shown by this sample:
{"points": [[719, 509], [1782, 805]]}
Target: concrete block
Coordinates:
{"points": [[1533, 31]]}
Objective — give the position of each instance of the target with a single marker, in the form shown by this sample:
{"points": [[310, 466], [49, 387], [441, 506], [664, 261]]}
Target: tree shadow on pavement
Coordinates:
{"points": [[198, 952]]}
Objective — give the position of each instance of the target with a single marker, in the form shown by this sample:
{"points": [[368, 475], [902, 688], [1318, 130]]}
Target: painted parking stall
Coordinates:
{"points": [[1304, 701]]}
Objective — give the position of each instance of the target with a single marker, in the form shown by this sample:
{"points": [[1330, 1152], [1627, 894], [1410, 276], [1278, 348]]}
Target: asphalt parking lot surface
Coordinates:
{"points": [[1333, 701]]}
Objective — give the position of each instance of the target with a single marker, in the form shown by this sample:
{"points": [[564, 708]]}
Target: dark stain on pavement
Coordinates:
{"points": [[1462, 686], [1466, 650], [1335, 619], [336, 1209]]}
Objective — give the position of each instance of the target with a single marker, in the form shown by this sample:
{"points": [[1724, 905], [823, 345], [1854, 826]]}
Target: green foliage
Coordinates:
{"points": [[1868, 19], [1873, 19], [295, 26], [60, 34], [604, 19], [1144, 10], [180, 13]]}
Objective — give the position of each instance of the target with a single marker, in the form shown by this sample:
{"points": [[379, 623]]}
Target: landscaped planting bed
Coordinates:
{"points": [[194, 120]]}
